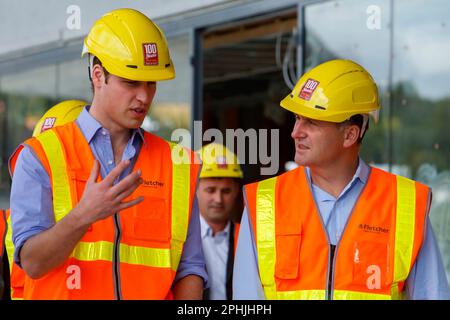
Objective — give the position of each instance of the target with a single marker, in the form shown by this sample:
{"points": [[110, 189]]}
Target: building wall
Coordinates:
{"points": [[38, 22]]}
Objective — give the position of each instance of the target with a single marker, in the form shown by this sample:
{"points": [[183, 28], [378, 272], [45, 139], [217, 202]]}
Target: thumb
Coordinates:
{"points": [[94, 172]]}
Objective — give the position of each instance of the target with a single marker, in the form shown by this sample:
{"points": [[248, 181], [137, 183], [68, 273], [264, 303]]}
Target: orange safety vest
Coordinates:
{"points": [[373, 257], [3, 228], [135, 253], [4, 293], [17, 275]]}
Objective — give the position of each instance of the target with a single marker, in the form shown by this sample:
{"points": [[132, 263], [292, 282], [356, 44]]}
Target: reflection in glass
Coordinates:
{"points": [[410, 65]]}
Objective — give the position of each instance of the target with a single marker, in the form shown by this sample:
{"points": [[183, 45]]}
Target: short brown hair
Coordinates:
{"points": [[357, 120], [94, 62]]}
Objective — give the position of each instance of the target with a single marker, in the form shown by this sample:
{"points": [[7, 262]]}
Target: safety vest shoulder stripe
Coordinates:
{"points": [[62, 200], [265, 221], [404, 229], [180, 203], [180, 184]]}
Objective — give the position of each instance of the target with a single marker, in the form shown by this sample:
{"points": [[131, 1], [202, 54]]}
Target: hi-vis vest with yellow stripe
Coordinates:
{"points": [[17, 276], [372, 259], [135, 253]]}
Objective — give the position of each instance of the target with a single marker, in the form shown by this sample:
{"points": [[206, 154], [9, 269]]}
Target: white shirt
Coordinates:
{"points": [[215, 250]]}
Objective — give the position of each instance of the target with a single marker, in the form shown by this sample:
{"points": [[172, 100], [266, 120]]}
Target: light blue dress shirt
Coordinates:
{"points": [[215, 249], [31, 193], [427, 279]]}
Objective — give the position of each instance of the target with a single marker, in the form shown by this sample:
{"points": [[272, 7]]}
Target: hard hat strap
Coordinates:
{"points": [[91, 65], [364, 124]]}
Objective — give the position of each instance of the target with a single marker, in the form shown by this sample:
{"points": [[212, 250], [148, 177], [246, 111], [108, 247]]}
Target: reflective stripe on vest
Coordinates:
{"points": [[265, 206], [266, 245], [404, 230], [62, 200], [102, 250], [180, 203]]}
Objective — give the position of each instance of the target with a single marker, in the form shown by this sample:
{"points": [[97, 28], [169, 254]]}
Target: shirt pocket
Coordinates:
{"points": [[151, 220], [288, 256], [371, 264], [79, 181]]}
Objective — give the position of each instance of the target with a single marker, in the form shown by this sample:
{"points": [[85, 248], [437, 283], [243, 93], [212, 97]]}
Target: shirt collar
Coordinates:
{"points": [[361, 175], [90, 126], [206, 230]]}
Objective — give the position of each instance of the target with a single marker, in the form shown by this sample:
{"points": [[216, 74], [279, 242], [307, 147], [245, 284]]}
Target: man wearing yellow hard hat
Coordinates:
{"points": [[220, 201], [58, 115], [336, 228], [114, 216]]}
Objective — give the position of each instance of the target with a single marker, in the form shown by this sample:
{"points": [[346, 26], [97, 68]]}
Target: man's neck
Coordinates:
{"points": [[335, 177], [216, 227], [119, 135]]}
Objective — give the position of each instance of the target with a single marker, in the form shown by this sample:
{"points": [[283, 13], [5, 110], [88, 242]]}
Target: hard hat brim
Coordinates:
{"points": [[288, 104]]}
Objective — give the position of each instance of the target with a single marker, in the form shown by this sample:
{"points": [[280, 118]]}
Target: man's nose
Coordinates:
{"points": [[297, 131], [145, 93], [217, 197]]}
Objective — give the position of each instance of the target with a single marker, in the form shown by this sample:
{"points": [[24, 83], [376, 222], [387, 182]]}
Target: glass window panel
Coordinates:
{"points": [[171, 108], [421, 103], [349, 29], [24, 98], [410, 65], [74, 80]]}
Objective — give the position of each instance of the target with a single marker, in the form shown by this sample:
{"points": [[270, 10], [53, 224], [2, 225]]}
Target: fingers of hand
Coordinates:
{"points": [[94, 172], [130, 203], [129, 183], [128, 191], [115, 173]]}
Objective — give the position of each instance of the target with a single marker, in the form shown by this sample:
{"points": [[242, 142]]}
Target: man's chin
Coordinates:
{"points": [[301, 161], [135, 124]]}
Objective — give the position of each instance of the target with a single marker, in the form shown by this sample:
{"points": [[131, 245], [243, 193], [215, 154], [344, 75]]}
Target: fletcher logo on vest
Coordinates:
{"points": [[152, 183], [375, 229]]}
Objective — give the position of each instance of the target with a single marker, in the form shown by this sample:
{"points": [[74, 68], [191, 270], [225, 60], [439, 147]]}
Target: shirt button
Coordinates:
{"points": [[110, 162], [104, 132]]}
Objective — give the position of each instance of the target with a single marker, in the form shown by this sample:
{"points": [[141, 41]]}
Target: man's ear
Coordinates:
{"points": [[351, 135], [97, 76]]}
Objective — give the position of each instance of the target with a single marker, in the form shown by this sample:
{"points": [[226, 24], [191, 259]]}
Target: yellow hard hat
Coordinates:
{"points": [[131, 46], [62, 113], [334, 91], [219, 162]]}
